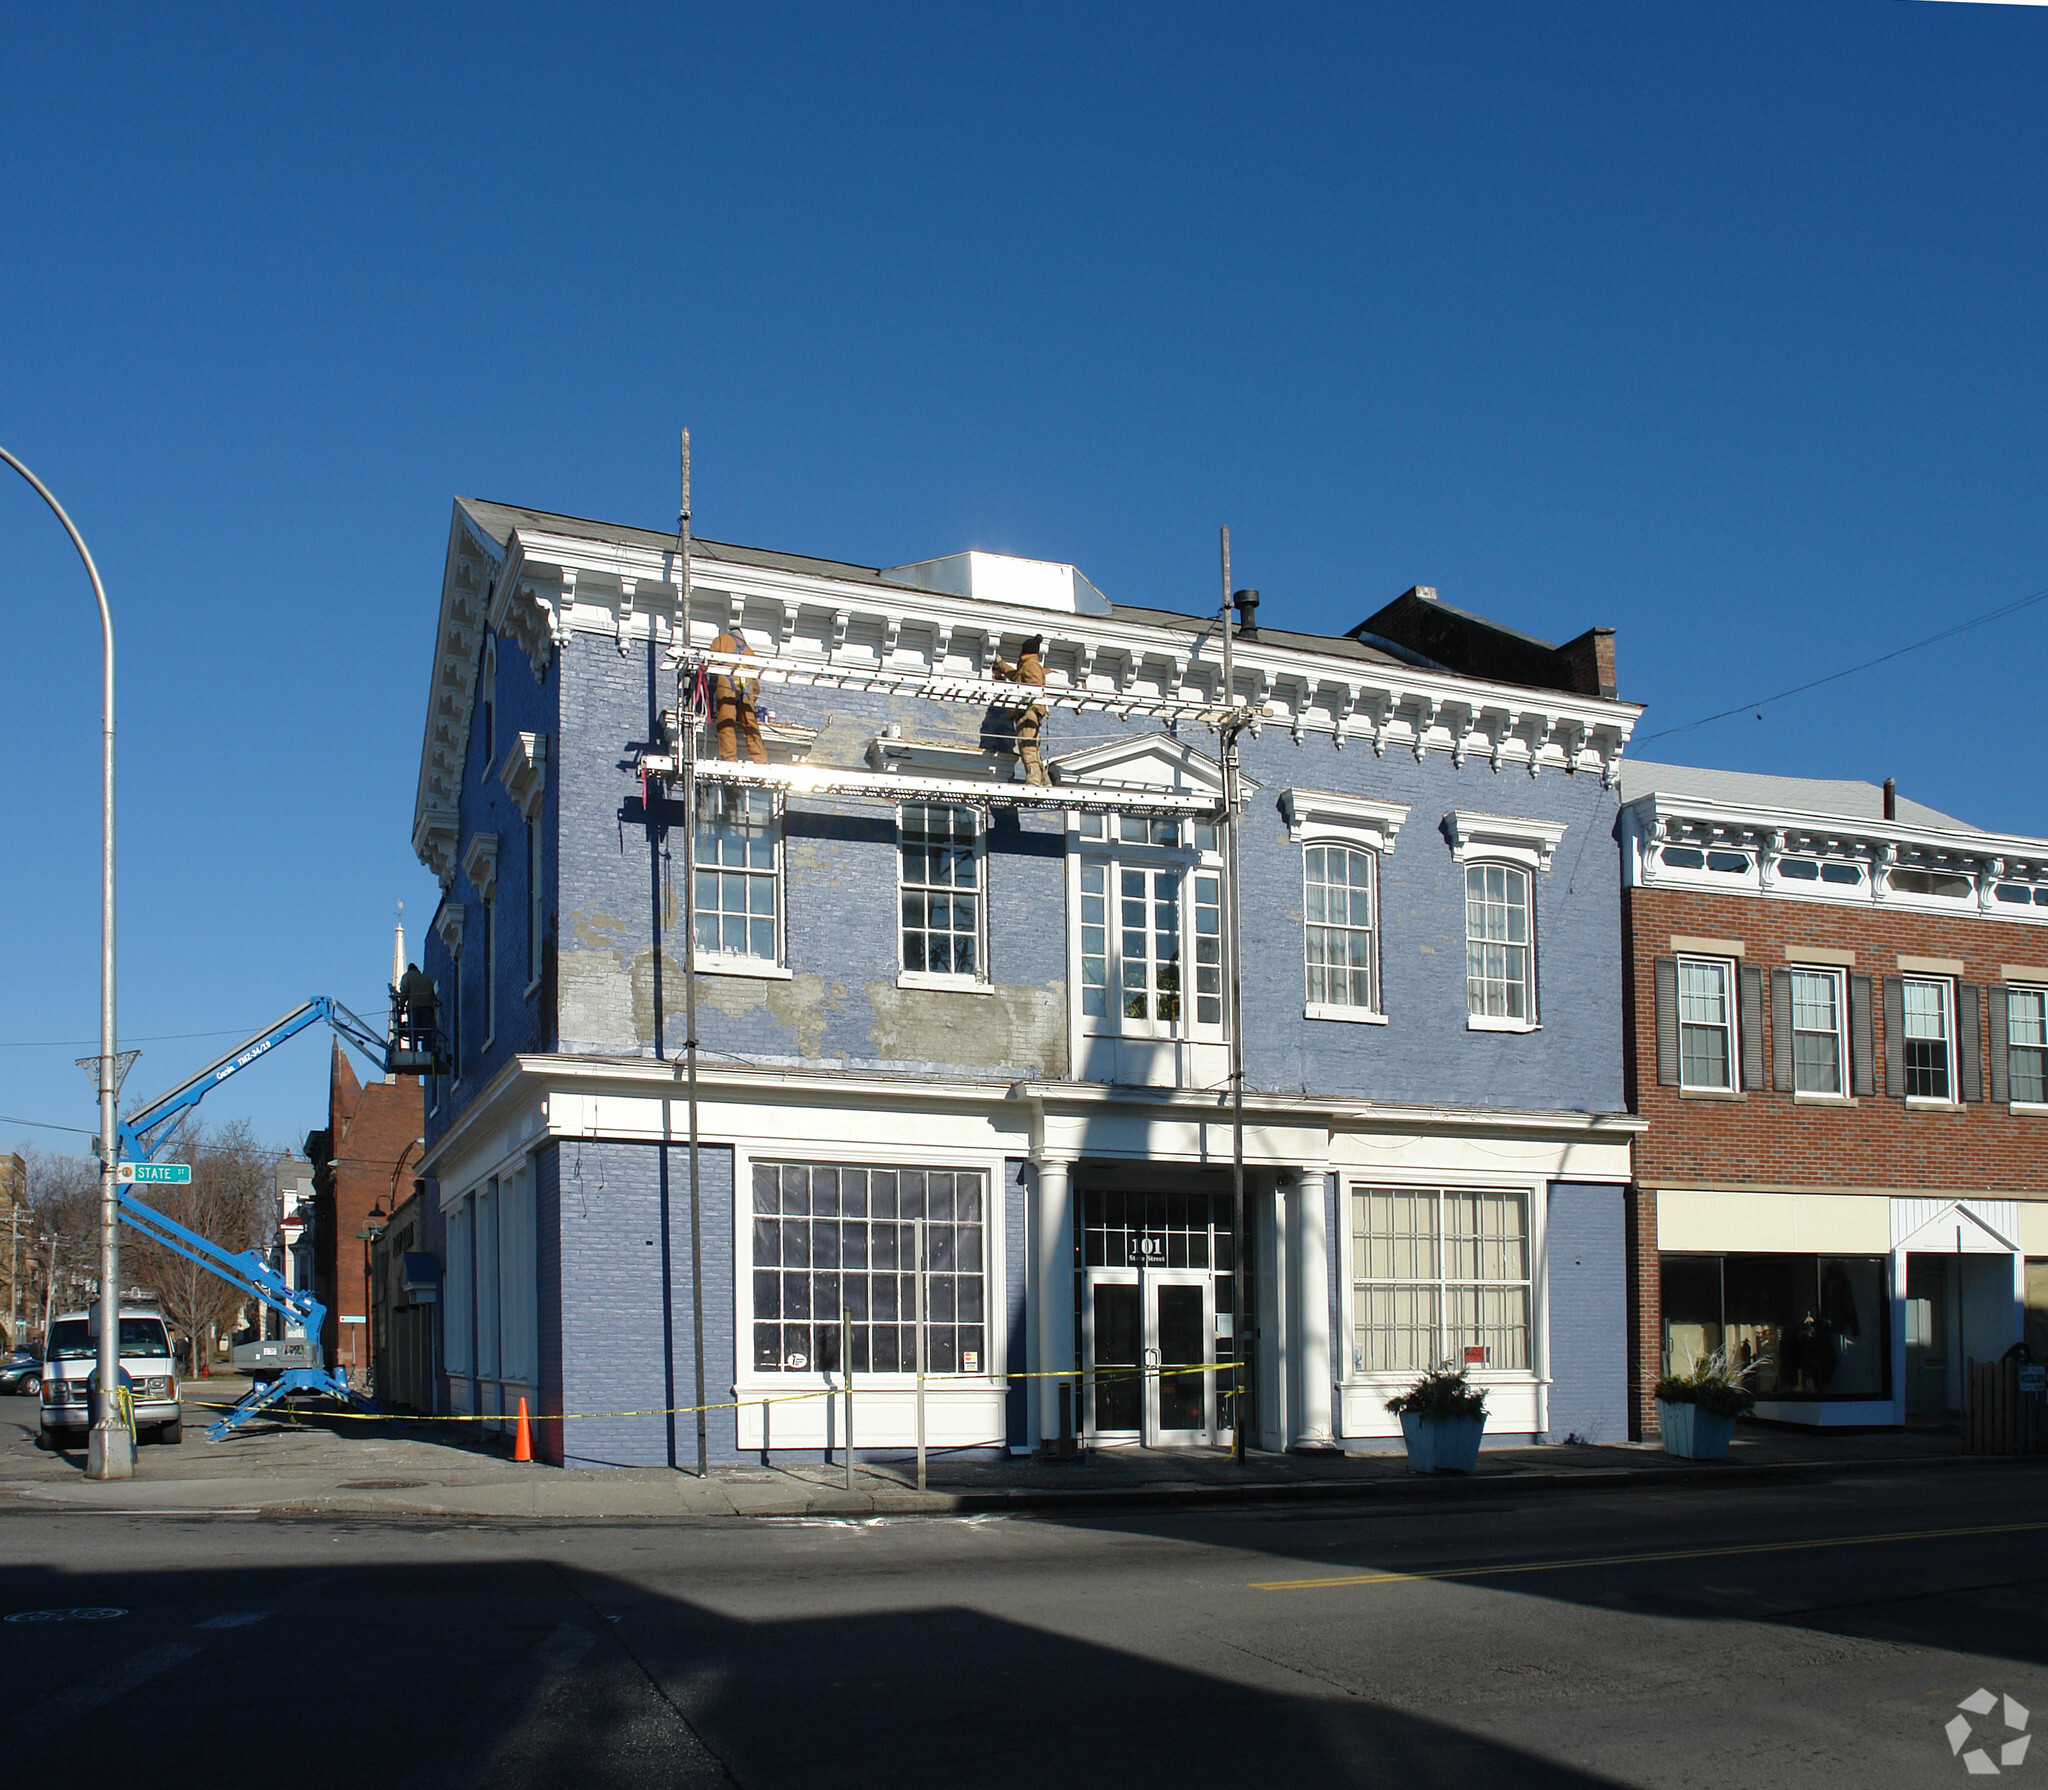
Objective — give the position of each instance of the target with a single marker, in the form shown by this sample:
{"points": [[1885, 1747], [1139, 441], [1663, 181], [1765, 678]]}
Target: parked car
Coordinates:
{"points": [[22, 1373], [73, 1354]]}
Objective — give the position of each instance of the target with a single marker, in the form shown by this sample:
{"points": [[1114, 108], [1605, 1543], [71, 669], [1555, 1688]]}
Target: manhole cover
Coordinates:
{"points": [[379, 1485], [85, 1615]]}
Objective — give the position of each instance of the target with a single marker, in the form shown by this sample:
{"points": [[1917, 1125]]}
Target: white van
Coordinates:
{"points": [[72, 1352]]}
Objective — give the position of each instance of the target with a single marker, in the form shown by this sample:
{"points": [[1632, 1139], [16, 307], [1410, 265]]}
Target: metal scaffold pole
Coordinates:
{"points": [[686, 728], [1240, 1256]]}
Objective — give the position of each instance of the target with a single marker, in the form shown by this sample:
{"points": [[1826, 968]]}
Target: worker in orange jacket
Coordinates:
{"points": [[1029, 669], [732, 706]]}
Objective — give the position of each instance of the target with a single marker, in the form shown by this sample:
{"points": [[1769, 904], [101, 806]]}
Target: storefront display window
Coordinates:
{"points": [[1808, 1326]]}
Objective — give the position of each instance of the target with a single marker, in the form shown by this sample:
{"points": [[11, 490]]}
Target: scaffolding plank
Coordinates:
{"points": [[893, 786], [979, 692]]}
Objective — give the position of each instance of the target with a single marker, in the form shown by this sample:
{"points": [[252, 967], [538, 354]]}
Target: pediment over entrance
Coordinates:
{"points": [[1152, 765], [1952, 1227]]}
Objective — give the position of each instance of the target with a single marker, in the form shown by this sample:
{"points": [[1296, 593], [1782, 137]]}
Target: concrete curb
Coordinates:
{"points": [[826, 1502]]}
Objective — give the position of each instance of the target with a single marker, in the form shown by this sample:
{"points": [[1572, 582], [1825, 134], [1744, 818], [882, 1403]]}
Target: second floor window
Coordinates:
{"points": [[1338, 911], [1929, 1039], [1817, 1053], [1499, 979], [941, 895], [1706, 1024], [2026, 1018], [1151, 930], [739, 868]]}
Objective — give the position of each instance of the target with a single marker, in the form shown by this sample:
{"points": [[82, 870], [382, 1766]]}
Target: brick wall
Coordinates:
{"points": [[1764, 1137], [1645, 1313], [356, 1165]]}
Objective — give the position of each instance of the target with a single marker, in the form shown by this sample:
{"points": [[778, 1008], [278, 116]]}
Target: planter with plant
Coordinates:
{"points": [[1696, 1411], [1443, 1416]]}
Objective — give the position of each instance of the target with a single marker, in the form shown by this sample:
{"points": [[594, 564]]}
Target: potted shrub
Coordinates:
{"points": [[1697, 1410], [1442, 1418]]}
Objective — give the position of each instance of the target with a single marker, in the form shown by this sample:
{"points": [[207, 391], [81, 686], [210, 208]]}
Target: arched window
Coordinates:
{"points": [[1340, 933], [1499, 941]]}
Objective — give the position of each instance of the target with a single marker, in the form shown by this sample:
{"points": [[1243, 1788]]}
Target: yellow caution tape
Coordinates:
{"points": [[1098, 1376]]}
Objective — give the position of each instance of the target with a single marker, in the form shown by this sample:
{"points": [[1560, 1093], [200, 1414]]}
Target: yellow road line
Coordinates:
{"points": [[1747, 1547]]}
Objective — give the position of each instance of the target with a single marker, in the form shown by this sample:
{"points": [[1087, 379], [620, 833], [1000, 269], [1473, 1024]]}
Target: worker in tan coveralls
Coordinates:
{"points": [[732, 706], [1029, 669]]}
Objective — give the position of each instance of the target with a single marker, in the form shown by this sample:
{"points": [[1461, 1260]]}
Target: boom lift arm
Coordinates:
{"points": [[413, 1047]]}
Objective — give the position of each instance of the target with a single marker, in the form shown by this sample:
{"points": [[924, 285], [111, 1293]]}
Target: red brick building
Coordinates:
{"points": [[1838, 1031], [362, 1161]]}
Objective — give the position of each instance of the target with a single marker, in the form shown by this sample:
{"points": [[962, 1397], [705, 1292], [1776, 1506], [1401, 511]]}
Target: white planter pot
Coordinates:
{"points": [[1442, 1444], [1693, 1434]]}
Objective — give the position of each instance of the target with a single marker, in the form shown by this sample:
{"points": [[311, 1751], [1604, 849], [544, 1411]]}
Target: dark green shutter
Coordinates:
{"points": [[1667, 1021], [1862, 1051], [1752, 1026], [1970, 1038], [1895, 1037], [2001, 1043], [1781, 1030]]}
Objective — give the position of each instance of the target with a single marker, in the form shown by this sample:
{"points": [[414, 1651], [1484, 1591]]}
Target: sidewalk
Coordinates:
{"points": [[390, 1469]]}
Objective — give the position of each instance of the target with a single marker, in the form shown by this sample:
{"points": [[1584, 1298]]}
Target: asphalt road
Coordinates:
{"points": [[1798, 1635]]}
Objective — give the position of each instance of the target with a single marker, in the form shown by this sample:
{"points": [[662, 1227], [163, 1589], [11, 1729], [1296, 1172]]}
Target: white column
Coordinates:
{"points": [[1052, 1278], [1310, 1259]]}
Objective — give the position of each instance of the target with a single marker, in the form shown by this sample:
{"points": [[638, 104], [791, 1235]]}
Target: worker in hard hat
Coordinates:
{"points": [[1029, 669], [732, 706]]}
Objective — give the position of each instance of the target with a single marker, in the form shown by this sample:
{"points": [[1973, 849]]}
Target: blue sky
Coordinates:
{"points": [[1718, 324]]}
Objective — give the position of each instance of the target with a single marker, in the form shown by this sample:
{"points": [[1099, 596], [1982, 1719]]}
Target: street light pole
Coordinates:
{"points": [[110, 1452]]}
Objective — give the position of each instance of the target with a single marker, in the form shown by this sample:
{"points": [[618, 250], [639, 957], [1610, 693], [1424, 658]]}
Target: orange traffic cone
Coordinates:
{"points": [[522, 1438]]}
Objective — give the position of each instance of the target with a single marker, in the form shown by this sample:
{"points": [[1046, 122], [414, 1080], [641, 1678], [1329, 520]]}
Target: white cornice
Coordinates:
{"points": [[1664, 816], [1514, 837], [557, 583], [434, 837], [480, 862], [525, 772], [466, 582], [1316, 811]]}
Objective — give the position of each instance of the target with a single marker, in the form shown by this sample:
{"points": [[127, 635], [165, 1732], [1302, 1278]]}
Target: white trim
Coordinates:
{"points": [[1363, 820], [525, 772], [1480, 1022], [717, 964], [480, 861], [1358, 1016], [1507, 838], [926, 979]]}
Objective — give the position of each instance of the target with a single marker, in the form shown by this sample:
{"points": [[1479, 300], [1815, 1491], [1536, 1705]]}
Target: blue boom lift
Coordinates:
{"points": [[412, 1047]]}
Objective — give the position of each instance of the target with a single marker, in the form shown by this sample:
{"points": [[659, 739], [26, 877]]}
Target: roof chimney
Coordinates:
{"points": [[1246, 603], [1891, 798]]}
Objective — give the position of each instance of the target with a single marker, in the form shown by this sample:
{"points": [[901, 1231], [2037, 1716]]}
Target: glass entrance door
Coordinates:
{"points": [[1147, 1339]]}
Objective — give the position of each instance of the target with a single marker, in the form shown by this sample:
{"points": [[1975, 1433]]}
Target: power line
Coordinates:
{"points": [[44, 1125], [85, 1043], [1744, 708]]}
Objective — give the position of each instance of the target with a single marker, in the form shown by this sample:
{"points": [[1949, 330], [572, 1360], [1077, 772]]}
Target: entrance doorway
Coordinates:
{"points": [[1157, 1317], [1930, 1336]]}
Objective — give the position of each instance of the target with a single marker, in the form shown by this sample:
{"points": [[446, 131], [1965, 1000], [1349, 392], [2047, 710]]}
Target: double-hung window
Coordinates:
{"points": [[1929, 1009], [1819, 1052], [1438, 1272], [1499, 944], [1341, 933], [739, 875], [1706, 1024], [943, 914], [1151, 927], [2026, 1020]]}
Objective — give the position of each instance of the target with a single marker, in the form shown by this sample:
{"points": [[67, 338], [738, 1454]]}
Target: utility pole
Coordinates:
{"points": [[110, 1452], [686, 746], [1228, 727]]}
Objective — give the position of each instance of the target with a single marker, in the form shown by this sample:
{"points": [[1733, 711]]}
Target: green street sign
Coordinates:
{"points": [[162, 1174]]}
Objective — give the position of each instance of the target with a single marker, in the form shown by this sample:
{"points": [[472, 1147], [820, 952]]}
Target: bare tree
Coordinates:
{"points": [[64, 1197], [231, 1202]]}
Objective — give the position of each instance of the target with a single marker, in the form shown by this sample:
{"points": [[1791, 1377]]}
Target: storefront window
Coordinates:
{"points": [[1807, 1326]]}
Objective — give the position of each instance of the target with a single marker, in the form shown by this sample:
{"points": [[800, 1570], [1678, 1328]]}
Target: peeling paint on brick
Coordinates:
{"points": [[1010, 1026]]}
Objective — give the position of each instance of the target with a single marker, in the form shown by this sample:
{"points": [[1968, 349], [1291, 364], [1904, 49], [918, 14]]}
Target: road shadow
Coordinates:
{"points": [[523, 1672]]}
